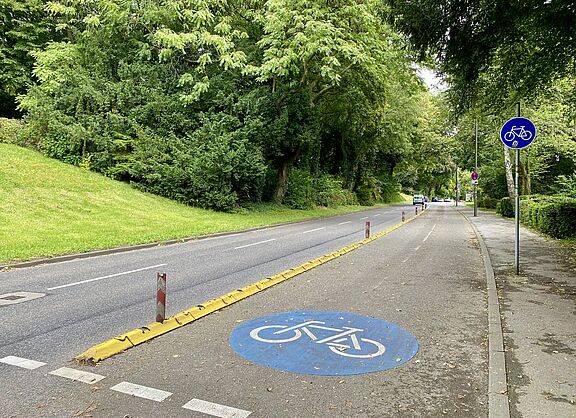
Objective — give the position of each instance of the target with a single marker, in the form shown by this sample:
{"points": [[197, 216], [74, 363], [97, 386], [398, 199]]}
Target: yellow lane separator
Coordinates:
{"points": [[132, 338]]}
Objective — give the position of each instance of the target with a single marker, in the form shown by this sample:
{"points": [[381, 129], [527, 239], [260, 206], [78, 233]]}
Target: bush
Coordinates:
{"points": [[210, 168], [505, 207], [329, 192], [300, 191], [9, 130], [558, 219], [487, 202], [552, 215]]}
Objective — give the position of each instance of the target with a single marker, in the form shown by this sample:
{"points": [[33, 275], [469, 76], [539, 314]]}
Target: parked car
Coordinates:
{"points": [[418, 199], [434, 199], [447, 199]]}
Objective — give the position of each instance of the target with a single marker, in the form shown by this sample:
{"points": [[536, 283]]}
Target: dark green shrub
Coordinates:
{"points": [[329, 192], [487, 202], [558, 219], [300, 191], [9, 129], [505, 207], [552, 215], [368, 192], [529, 212]]}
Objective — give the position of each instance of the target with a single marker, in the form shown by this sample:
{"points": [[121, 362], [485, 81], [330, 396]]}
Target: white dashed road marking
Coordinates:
{"points": [[429, 233], [22, 362], [344, 223], [215, 409], [132, 389], [105, 277], [312, 230], [141, 391], [78, 375], [255, 243]]}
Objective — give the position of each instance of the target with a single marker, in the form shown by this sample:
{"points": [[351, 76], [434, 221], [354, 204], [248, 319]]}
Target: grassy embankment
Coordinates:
{"points": [[49, 208]]}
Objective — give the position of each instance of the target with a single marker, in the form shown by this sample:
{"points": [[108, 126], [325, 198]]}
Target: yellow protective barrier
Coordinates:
{"points": [[132, 338]]}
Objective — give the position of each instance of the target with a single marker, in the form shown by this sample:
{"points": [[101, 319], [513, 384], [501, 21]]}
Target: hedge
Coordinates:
{"points": [[505, 207], [487, 202], [552, 215]]}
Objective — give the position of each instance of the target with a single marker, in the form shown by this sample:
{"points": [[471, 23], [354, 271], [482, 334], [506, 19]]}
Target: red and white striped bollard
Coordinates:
{"points": [[161, 297]]}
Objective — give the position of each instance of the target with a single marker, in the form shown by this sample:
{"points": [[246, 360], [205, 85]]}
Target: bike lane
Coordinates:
{"points": [[426, 278]]}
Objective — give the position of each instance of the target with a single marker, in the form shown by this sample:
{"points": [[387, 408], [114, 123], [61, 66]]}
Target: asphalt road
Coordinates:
{"points": [[426, 277], [90, 300]]}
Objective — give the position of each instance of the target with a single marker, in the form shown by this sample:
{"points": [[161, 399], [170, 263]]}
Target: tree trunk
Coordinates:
{"points": [[509, 176], [282, 181], [526, 183]]}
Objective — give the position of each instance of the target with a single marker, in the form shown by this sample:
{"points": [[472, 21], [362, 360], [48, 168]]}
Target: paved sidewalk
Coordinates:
{"points": [[538, 312]]}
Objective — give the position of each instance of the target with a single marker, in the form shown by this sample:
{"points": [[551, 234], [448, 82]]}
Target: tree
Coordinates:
{"points": [[521, 46], [308, 49], [24, 28]]}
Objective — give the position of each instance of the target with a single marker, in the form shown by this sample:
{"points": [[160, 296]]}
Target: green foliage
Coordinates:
{"points": [[216, 166], [487, 202], [329, 192], [24, 28], [553, 215], [49, 208], [505, 207], [9, 130], [300, 191], [510, 48], [196, 101]]}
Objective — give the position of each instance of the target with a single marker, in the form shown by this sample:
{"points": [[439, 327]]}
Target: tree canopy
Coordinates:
{"points": [[516, 47], [214, 102]]}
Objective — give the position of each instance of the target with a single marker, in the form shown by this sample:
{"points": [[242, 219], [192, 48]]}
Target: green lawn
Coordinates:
{"points": [[49, 208]]}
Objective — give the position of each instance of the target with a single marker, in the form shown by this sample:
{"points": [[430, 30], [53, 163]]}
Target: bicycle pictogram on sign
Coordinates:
{"points": [[518, 133]]}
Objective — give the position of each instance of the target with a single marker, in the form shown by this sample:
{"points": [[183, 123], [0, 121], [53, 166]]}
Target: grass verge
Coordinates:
{"points": [[48, 208]]}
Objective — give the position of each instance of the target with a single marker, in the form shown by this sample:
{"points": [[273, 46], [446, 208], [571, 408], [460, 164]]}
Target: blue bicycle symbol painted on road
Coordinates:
{"points": [[518, 133], [323, 343]]}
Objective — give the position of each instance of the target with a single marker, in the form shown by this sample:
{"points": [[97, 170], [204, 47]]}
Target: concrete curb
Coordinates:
{"points": [[498, 402], [132, 338]]}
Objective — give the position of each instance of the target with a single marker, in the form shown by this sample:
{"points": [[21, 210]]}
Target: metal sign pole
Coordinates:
{"points": [[517, 133], [517, 206], [476, 167]]}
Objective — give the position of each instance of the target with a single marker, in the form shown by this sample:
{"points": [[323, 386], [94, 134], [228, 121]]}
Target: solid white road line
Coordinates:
{"points": [[105, 277], [344, 223], [22, 362], [78, 375], [255, 243], [215, 409], [141, 391], [429, 233], [313, 230]]}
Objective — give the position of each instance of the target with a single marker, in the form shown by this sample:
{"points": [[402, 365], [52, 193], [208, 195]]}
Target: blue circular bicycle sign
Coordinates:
{"points": [[518, 133], [325, 343]]}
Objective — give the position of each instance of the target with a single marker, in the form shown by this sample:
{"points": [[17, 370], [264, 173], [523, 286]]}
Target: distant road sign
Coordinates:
{"points": [[474, 175], [518, 133], [473, 182]]}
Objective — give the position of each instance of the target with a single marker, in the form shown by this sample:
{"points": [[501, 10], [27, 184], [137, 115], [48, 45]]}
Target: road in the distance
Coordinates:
{"points": [[93, 299]]}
